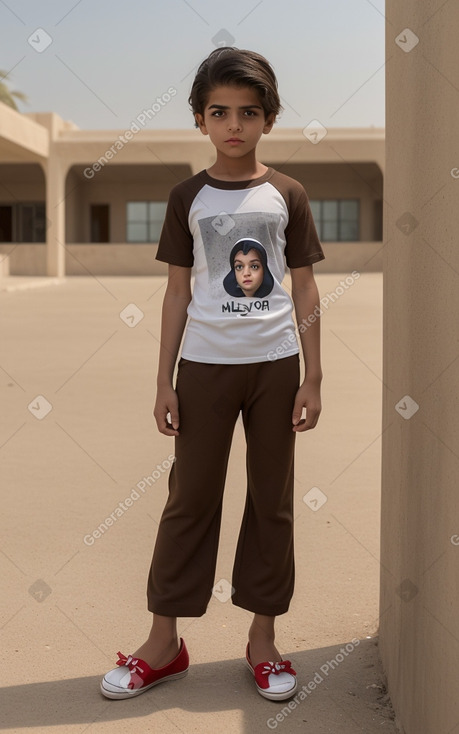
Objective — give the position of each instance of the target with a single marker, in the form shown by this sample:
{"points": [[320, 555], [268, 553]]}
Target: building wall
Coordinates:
{"points": [[115, 186], [363, 181], [419, 619], [21, 182]]}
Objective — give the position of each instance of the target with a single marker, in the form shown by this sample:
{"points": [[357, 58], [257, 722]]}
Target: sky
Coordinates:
{"points": [[100, 63]]}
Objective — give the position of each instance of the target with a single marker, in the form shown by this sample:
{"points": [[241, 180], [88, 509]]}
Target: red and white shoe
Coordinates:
{"points": [[134, 676], [276, 681]]}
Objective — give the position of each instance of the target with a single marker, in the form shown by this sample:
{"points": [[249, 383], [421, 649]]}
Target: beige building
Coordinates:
{"points": [[419, 619], [92, 201]]}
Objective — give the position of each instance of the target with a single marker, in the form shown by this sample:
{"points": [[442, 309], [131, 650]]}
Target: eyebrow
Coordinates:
{"points": [[252, 260], [226, 107]]}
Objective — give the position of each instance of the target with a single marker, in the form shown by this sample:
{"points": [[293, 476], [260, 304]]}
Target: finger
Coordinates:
{"points": [[168, 431], [174, 418], [310, 422], [300, 426], [297, 412], [165, 425]]}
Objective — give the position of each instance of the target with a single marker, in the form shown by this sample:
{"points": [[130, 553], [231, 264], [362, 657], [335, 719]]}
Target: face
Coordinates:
{"points": [[249, 271], [234, 120]]}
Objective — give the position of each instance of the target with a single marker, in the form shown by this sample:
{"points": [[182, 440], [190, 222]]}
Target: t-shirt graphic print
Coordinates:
{"points": [[250, 275], [238, 237]]}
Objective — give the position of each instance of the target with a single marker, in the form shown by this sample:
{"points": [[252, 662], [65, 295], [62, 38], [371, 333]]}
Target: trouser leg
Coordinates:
{"points": [[263, 574], [182, 571]]}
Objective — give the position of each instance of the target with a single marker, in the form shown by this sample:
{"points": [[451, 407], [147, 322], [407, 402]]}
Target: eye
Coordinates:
{"points": [[218, 113], [250, 113], [255, 266], [238, 267]]}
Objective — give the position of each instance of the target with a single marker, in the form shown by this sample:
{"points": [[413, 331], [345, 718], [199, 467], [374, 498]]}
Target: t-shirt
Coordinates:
{"points": [[238, 237]]}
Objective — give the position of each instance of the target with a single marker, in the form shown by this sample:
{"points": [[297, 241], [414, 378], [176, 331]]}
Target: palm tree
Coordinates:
{"points": [[6, 96]]}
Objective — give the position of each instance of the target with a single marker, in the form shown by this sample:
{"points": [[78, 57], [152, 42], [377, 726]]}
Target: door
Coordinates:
{"points": [[100, 222]]}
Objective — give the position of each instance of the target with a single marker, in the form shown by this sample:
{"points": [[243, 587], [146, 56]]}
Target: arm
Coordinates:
{"points": [[305, 299], [173, 320]]}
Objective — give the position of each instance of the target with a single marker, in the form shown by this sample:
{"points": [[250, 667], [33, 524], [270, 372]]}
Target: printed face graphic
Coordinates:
{"points": [[249, 271], [250, 276]]}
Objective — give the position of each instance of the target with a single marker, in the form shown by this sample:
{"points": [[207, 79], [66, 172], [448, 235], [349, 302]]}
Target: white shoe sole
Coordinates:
{"points": [[131, 693]]}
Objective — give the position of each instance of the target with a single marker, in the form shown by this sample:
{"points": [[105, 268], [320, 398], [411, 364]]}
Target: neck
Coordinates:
{"points": [[237, 169]]}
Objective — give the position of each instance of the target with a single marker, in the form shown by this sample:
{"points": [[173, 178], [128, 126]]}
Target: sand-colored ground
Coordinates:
{"points": [[70, 600]]}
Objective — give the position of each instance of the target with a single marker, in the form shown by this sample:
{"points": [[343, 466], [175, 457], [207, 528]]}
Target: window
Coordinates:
{"points": [[144, 220], [336, 220], [23, 222]]}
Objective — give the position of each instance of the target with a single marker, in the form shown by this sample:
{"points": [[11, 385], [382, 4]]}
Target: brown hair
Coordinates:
{"points": [[235, 67]]}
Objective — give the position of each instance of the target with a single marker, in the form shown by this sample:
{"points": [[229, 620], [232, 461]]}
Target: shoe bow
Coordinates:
{"points": [[134, 669], [271, 668]]}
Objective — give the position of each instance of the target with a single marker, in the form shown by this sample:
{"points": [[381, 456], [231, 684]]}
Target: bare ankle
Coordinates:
{"points": [[260, 636], [166, 640]]}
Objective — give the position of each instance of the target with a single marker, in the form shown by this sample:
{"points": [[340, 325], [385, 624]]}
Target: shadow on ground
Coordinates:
{"points": [[351, 697]]}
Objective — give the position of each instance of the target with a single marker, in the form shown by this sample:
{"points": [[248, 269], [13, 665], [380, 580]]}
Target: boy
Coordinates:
{"points": [[227, 366]]}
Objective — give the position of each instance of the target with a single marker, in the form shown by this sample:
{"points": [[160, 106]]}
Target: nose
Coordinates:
{"points": [[234, 123]]}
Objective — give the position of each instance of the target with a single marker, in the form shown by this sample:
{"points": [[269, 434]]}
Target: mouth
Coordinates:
{"points": [[234, 140]]}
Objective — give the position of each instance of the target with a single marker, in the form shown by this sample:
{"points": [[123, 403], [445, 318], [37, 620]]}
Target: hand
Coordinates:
{"points": [[308, 396], [167, 402]]}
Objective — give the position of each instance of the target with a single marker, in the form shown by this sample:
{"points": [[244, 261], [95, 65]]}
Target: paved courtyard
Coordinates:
{"points": [[79, 446]]}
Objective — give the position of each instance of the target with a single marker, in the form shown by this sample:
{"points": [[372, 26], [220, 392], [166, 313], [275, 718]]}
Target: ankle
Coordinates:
{"points": [[260, 635], [159, 640]]}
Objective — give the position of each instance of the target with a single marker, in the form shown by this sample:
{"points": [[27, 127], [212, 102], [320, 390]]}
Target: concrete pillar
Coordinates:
{"points": [[419, 625], [55, 215]]}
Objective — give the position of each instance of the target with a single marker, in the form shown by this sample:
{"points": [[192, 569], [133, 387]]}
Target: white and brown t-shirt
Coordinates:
{"points": [[210, 225]]}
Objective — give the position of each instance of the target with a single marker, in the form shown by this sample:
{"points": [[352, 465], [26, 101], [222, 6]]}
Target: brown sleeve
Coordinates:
{"points": [[302, 242], [176, 241]]}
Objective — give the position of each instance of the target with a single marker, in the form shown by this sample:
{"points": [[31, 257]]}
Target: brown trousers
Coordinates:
{"points": [[182, 572]]}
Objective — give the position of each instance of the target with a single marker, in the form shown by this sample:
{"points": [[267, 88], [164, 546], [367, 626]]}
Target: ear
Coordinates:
{"points": [[269, 122], [200, 120]]}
